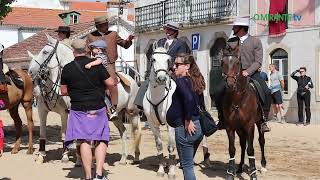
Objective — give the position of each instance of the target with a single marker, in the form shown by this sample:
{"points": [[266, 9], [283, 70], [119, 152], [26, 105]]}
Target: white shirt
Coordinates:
{"points": [[169, 41], [243, 38]]}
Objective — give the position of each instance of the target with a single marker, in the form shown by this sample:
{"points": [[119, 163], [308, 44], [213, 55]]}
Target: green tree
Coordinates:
{"points": [[5, 7]]}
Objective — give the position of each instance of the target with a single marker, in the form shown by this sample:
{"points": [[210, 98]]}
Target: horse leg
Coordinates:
{"points": [[172, 156], [231, 171], [28, 109], [161, 159], [64, 119], [250, 152], [123, 134], [18, 126], [243, 145], [43, 132], [261, 143], [206, 154], [136, 131]]}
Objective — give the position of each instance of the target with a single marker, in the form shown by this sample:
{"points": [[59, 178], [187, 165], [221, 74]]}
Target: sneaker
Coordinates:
{"points": [[265, 128], [100, 178], [113, 115], [283, 120], [275, 118], [306, 124]]}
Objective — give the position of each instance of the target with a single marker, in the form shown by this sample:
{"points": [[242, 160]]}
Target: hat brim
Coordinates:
{"points": [[62, 31], [172, 27], [239, 24]]}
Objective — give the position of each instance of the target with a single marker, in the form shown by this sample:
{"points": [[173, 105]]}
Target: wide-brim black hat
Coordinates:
{"points": [[63, 29]]}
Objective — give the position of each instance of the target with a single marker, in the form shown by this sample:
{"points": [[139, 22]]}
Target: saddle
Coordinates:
{"points": [[256, 86], [123, 79]]}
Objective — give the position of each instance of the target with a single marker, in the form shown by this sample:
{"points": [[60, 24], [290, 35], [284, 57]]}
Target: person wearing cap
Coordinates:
{"points": [[88, 122], [98, 50], [112, 39], [251, 53], [3, 81], [176, 46]]}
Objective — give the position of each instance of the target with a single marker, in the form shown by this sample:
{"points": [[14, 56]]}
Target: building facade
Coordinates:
{"points": [[211, 20]]}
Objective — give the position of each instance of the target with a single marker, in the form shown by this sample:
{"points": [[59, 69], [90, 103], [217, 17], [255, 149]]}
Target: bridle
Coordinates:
{"points": [[156, 105], [49, 92]]}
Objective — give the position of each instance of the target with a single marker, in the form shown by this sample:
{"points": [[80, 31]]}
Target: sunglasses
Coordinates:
{"points": [[301, 71]]}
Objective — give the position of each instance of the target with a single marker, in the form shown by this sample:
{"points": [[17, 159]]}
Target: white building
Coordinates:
{"points": [[211, 19]]}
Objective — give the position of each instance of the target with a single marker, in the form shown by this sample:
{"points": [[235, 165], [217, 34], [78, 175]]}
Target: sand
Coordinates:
{"points": [[292, 152]]}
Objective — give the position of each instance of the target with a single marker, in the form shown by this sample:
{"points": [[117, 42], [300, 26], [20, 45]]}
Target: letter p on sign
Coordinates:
{"points": [[195, 41]]}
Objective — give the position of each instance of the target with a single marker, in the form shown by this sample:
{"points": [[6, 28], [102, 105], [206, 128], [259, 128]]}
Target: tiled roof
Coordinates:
{"points": [[44, 18], [18, 52], [35, 43], [91, 6]]}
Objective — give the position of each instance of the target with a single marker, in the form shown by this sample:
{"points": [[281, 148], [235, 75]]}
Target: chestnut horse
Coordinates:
{"points": [[241, 114], [17, 95]]}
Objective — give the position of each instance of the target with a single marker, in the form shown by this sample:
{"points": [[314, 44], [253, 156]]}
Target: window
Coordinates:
{"points": [[74, 19], [279, 57]]}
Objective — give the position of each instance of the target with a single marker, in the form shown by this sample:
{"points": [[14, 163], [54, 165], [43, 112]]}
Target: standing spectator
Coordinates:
{"points": [[303, 94], [88, 122], [3, 81], [276, 87], [263, 75], [183, 113]]}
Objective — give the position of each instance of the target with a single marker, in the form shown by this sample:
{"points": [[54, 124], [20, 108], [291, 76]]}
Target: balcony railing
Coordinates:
{"points": [[154, 16]]}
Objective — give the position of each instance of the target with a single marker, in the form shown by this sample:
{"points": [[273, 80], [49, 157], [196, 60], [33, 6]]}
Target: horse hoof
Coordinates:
{"points": [[160, 174], [39, 159], [207, 164], [136, 161], [240, 171], [14, 151], [30, 151], [65, 159], [123, 160], [229, 177], [253, 178], [263, 170], [171, 176]]}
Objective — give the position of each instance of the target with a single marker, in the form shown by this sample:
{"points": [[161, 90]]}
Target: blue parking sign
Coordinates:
{"points": [[195, 41]]}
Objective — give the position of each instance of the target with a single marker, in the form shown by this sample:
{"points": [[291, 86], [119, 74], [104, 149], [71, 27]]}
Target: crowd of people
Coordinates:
{"points": [[92, 73]]}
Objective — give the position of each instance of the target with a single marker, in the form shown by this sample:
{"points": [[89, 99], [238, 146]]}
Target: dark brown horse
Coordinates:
{"points": [[16, 96], [241, 113]]}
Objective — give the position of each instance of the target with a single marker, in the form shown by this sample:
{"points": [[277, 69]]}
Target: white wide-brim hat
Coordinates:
{"points": [[172, 25], [241, 21]]}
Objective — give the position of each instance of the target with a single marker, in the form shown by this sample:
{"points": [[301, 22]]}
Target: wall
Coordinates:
{"points": [[11, 35]]}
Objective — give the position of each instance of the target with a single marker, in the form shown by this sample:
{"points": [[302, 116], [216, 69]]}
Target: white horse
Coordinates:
{"points": [[156, 102], [45, 68]]}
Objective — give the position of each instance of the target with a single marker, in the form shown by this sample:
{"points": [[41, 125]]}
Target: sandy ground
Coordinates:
{"points": [[292, 152]]}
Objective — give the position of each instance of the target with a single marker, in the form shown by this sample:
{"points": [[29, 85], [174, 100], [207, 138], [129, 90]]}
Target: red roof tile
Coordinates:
{"points": [[35, 43], [45, 18], [91, 6]]}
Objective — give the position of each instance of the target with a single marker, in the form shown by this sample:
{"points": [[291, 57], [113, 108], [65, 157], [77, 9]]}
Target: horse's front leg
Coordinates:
{"points": [[28, 109], [231, 171], [64, 118], [172, 156], [43, 132], [206, 154], [243, 144], [250, 152], [160, 156]]}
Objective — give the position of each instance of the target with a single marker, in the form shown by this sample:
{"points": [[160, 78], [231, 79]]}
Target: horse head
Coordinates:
{"points": [[161, 61], [231, 64], [50, 61]]}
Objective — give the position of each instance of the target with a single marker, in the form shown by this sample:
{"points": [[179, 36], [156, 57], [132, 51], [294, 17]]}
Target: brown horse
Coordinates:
{"points": [[23, 96], [241, 114]]}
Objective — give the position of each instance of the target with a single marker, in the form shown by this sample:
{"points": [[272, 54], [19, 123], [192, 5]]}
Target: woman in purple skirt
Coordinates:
{"points": [[88, 121]]}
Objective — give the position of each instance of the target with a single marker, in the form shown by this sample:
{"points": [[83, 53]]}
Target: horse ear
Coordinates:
{"points": [[30, 54], [167, 46], [51, 40], [155, 45]]}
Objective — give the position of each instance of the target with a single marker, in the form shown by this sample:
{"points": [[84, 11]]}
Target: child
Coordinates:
{"points": [[98, 49], [1, 138]]}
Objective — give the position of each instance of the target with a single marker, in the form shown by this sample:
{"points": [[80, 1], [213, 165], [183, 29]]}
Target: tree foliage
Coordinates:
{"points": [[5, 7]]}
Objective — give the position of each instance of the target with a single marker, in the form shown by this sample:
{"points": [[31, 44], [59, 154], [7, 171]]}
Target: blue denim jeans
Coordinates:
{"points": [[187, 147]]}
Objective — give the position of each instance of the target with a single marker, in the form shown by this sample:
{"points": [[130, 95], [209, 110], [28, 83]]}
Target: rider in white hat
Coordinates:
{"points": [[251, 53]]}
